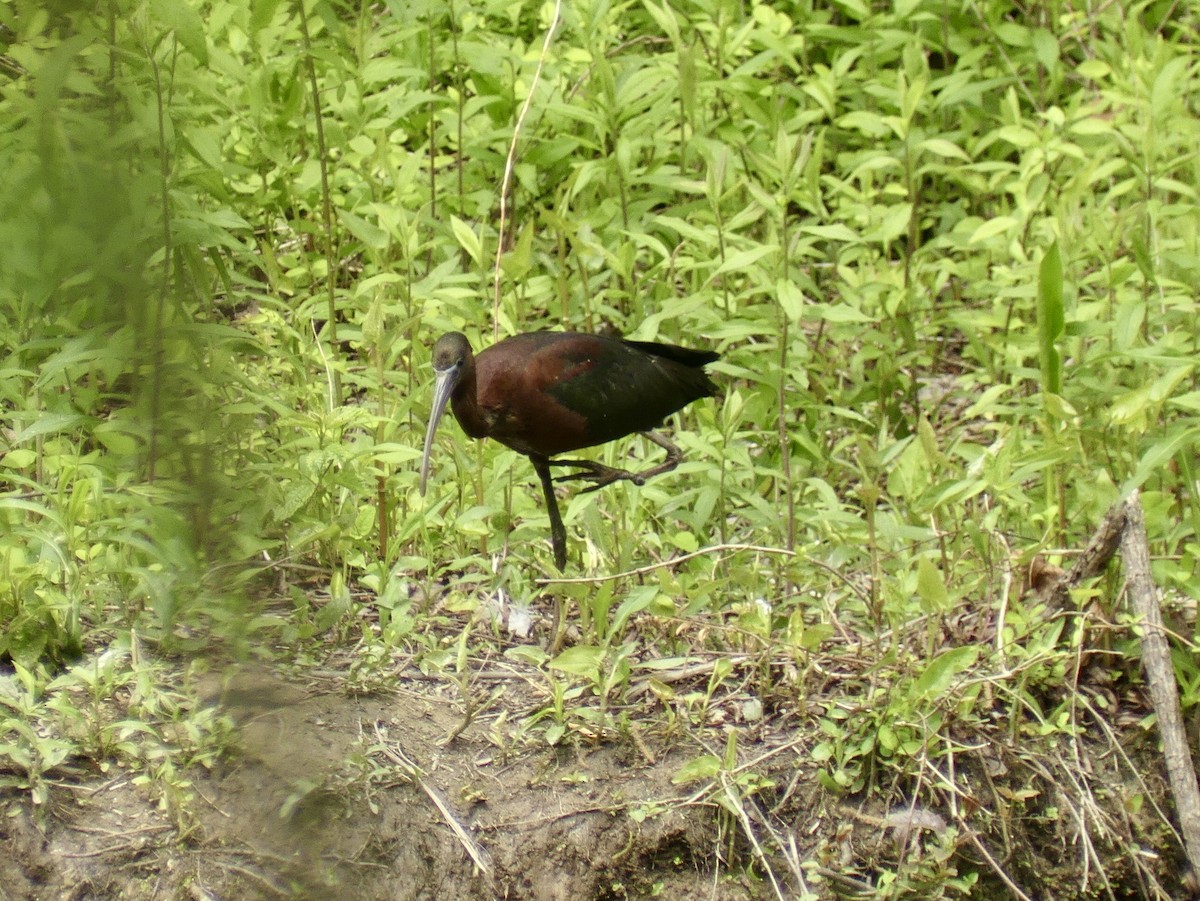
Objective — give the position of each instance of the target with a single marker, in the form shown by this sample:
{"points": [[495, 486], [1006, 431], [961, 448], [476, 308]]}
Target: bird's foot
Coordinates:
{"points": [[596, 473], [600, 475]]}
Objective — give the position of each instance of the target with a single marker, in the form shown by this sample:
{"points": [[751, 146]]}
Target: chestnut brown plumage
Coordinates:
{"points": [[547, 393]]}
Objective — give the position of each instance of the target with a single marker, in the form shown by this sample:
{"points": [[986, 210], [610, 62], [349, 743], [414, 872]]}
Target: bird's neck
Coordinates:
{"points": [[465, 403]]}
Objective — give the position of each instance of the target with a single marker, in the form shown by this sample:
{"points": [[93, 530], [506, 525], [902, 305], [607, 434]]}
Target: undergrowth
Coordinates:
{"points": [[948, 253]]}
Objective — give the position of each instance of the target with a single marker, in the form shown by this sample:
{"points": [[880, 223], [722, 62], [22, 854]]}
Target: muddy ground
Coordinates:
{"points": [[329, 793]]}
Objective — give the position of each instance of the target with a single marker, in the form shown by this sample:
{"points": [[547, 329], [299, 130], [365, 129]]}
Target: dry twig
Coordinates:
{"points": [[1160, 677], [478, 855], [1094, 558]]}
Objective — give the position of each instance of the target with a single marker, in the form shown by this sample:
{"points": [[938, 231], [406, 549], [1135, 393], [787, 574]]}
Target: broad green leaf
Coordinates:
{"points": [[744, 259], [894, 224], [337, 606], [704, 767], [991, 228], [839, 312], [685, 541], [664, 16], [944, 148], [185, 21], [48, 424], [832, 233], [261, 14], [117, 439], [868, 123], [19, 458], [518, 261], [1165, 94], [475, 520], [887, 740], [581, 660], [298, 493], [1094, 69], [528, 654], [791, 299], [467, 239], [931, 587], [908, 472], [1045, 48], [1189, 401], [1050, 318], [942, 671], [639, 599], [370, 234], [1159, 454]]}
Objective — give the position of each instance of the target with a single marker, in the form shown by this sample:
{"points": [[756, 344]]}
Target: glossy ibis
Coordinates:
{"points": [[546, 393]]}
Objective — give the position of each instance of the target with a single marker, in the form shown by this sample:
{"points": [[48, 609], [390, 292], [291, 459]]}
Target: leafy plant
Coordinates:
{"points": [[947, 253]]}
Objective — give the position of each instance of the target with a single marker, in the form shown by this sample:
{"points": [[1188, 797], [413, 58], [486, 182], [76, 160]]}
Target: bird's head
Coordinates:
{"points": [[451, 358]]}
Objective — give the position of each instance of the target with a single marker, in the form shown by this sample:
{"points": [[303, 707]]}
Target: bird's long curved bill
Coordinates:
{"points": [[442, 390]]}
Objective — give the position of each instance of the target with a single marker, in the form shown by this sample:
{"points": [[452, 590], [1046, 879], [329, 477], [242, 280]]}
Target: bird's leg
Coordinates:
{"points": [[558, 532], [674, 455], [600, 475]]}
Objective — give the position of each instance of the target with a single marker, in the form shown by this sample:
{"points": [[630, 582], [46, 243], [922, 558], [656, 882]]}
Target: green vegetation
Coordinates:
{"points": [[949, 253]]}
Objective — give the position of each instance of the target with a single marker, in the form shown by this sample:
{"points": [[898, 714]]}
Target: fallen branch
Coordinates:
{"points": [[673, 561], [479, 856], [1160, 677], [1093, 560]]}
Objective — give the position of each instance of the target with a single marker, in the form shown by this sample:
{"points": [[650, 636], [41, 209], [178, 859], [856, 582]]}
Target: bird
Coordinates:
{"points": [[548, 393]]}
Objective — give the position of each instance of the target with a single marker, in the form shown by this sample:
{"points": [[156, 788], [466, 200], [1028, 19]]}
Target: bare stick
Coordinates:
{"points": [[479, 856], [673, 561], [1095, 556], [1160, 677], [510, 163]]}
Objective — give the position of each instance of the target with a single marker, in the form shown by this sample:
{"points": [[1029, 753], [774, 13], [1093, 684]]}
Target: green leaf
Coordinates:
{"points": [[942, 671], [944, 148], [639, 599], [1189, 401], [744, 259], [1154, 459], [991, 228], [19, 458], [869, 123], [476, 520], [888, 742], [832, 233], [336, 607], [117, 439], [47, 424], [685, 541], [370, 234], [1050, 318], [467, 239], [1165, 95], [704, 767], [931, 587], [1045, 48], [185, 21], [894, 224], [581, 660], [840, 313], [790, 298], [1094, 69], [261, 14], [518, 261]]}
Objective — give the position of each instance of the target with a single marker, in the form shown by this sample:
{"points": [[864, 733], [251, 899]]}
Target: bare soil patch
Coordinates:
{"points": [[314, 805], [392, 794]]}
